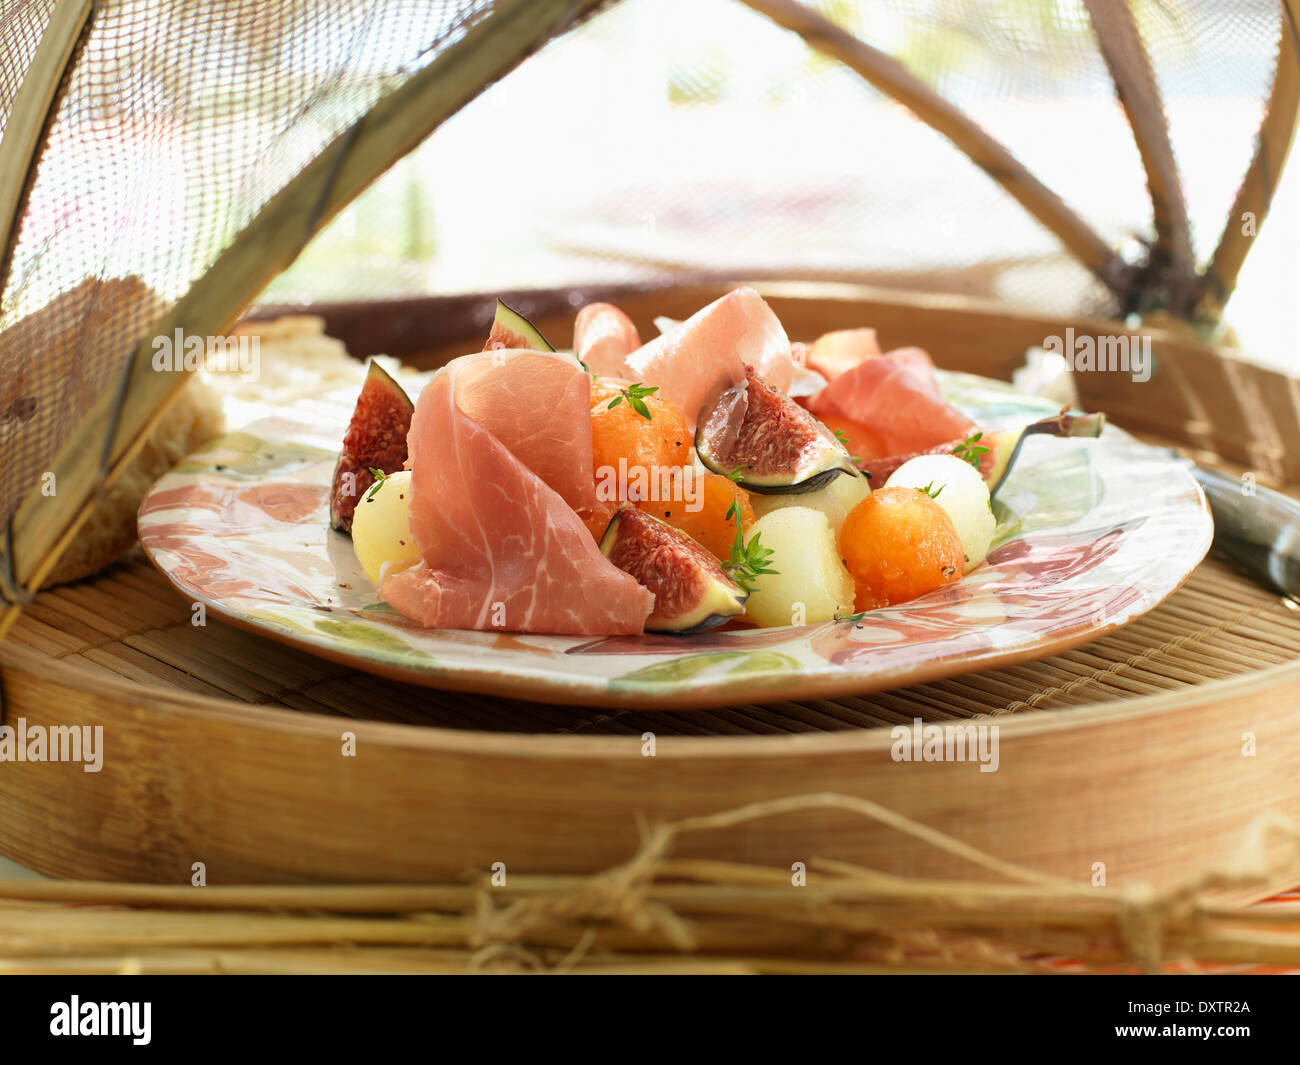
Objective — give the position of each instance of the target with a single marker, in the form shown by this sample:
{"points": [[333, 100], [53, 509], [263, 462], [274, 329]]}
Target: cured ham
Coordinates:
{"points": [[835, 354], [898, 400], [500, 457], [692, 362], [603, 338], [539, 407]]}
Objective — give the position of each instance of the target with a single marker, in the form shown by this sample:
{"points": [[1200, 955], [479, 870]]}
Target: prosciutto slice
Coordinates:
{"points": [[694, 361], [835, 354], [603, 338], [898, 400], [500, 457]]}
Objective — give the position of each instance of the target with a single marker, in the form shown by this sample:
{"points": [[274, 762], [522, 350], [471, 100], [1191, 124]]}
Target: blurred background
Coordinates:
{"points": [[675, 136]]}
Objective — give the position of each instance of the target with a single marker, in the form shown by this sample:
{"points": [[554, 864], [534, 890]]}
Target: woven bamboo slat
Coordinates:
{"points": [[1125, 55]]}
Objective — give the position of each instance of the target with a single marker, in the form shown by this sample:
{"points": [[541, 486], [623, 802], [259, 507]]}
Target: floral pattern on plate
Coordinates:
{"points": [[1091, 534]]}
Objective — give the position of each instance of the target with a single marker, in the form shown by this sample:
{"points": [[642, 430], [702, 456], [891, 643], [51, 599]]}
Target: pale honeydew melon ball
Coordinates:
{"points": [[811, 584], [381, 529], [963, 494], [835, 500]]}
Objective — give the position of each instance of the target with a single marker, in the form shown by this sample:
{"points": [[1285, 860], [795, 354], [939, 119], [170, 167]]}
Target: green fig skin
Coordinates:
{"points": [[1003, 447], [820, 457], [692, 593], [510, 329], [376, 438]]}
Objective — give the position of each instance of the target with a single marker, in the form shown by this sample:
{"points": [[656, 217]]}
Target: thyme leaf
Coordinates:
{"points": [[635, 395], [380, 477], [971, 450]]}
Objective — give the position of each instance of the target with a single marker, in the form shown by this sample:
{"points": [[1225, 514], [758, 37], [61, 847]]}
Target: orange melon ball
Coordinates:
{"points": [[704, 516], [861, 441], [656, 442], [898, 543]]}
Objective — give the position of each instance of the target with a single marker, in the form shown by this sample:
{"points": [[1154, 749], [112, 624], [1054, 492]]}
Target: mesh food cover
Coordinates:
{"points": [[162, 161]]}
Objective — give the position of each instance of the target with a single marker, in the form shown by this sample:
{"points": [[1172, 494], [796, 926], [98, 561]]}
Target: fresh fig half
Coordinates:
{"points": [[994, 452], [770, 443], [510, 329], [692, 592], [376, 439]]}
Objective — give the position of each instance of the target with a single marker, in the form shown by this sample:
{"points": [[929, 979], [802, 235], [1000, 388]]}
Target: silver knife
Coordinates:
{"points": [[1255, 528]]}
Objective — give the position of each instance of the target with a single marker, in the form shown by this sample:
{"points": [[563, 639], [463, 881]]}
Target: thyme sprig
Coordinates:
{"points": [[749, 560], [635, 395], [843, 438], [380, 477], [971, 450]]}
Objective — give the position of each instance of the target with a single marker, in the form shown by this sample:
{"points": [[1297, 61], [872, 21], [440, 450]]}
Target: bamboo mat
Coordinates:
{"points": [[128, 622]]}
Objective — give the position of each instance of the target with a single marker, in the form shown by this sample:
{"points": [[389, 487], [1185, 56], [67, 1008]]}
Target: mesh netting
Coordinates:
{"points": [[21, 25], [177, 123]]}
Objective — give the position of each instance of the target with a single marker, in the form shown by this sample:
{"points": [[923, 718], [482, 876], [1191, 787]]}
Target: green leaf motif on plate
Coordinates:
{"points": [[1059, 489], [683, 670], [246, 456], [367, 635], [362, 636], [993, 404]]}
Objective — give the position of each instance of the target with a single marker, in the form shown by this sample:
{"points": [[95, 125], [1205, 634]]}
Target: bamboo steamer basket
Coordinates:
{"points": [[1125, 754], [229, 755]]}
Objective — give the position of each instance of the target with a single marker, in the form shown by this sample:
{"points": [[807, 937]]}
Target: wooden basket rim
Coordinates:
{"points": [[516, 744]]}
